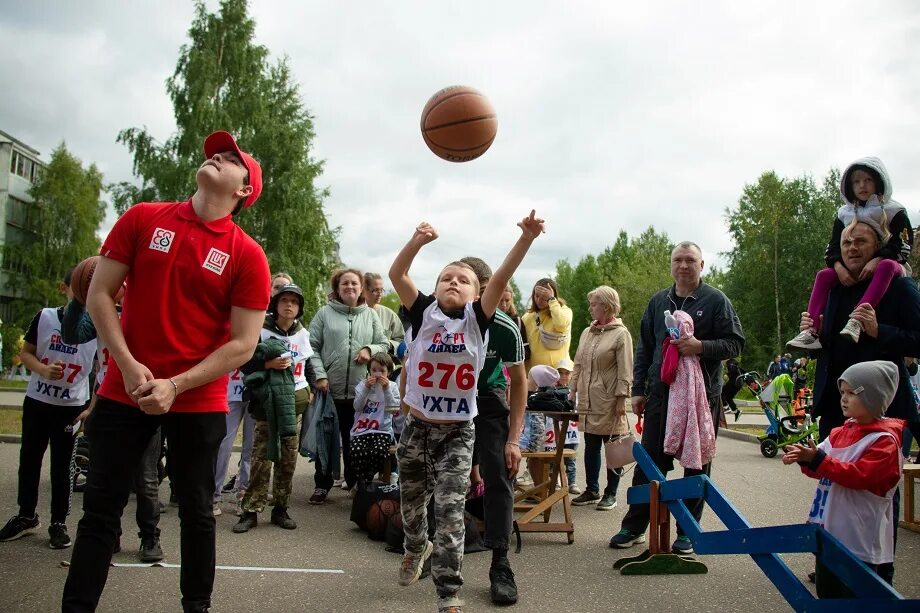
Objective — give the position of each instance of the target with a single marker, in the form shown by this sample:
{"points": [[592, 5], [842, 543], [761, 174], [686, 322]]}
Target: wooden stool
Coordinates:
{"points": [[911, 474], [550, 487]]}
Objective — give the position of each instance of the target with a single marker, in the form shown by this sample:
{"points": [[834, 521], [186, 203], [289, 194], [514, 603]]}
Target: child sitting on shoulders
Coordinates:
{"points": [[858, 467]]}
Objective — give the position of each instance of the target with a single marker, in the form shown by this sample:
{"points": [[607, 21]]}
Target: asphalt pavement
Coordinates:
{"points": [[552, 576]]}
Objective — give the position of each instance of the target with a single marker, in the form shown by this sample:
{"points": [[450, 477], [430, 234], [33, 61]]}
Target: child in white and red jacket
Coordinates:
{"points": [[858, 467]]}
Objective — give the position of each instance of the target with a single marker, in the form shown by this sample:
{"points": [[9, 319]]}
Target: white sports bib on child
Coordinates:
{"points": [[235, 386], [299, 346], [852, 515], [73, 388], [446, 356], [571, 434], [373, 417]]}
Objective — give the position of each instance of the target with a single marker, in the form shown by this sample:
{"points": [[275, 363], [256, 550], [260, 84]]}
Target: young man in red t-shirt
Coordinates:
{"points": [[196, 298]]}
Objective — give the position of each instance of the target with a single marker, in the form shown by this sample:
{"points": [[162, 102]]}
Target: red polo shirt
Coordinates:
{"points": [[184, 276]]}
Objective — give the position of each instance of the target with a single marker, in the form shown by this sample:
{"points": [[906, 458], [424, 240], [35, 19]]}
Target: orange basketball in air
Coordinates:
{"points": [[81, 277], [459, 124]]}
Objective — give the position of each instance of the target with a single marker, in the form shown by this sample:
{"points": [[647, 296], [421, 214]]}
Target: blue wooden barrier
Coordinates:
{"points": [[764, 545]]}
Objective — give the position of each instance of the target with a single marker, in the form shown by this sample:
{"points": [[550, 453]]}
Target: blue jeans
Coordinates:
{"points": [[571, 470], [593, 445], [238, 414]]}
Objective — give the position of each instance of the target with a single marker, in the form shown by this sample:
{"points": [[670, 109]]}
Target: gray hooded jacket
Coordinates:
{"points": [[883, 214]]}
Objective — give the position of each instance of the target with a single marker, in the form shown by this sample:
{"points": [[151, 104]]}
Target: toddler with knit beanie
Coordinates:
{"points": [[858, 467]]}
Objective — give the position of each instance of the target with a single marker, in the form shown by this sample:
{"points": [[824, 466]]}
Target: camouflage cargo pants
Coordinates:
{"points": [[435, 460], [260, 473]]}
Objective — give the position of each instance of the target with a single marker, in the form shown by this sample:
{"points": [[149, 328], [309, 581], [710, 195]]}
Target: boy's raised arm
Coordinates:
{"points": [[399, 271], [531, 227]]}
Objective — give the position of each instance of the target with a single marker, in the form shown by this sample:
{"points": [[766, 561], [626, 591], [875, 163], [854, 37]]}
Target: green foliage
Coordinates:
{"points": [[637, 268], [11, 333], [68, 210], [517, 297], [391, 300], [780, 229], [224, 81]]}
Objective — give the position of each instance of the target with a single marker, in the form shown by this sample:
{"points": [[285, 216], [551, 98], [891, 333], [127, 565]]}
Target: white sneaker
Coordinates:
{"points": [[217, 510], [806, 339], [852, 330], [525, 479]]}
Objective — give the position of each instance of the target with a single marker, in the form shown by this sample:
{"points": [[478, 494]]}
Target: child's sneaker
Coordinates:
{"points": [[852, 330], [806, 339], [450, 604], [59, 537], [682, 546], [19, 526], [411, 568], [624, 539]]}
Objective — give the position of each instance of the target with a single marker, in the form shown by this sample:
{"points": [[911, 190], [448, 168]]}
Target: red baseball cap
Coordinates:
{"points": [[221, 141]]}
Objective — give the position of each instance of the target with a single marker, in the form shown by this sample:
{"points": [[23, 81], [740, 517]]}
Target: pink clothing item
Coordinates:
{"points": [[886, 272], [689, 433]]}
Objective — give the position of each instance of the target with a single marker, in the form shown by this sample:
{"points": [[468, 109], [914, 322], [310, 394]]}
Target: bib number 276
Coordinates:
{"points": [[463, 375]]}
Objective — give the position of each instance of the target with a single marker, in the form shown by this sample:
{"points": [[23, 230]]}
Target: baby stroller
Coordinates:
{"points": [[788, 424]]}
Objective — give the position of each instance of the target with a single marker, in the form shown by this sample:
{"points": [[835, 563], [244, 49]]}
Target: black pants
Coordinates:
{"points": [[121, 435], [498, 499], [345, 409], [594, 444], [147, 490], [829, 586], [728, 399], [44, 423], [653, 426]]}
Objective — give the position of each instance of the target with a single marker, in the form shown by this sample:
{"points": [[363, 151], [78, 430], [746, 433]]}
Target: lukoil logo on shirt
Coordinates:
{"points": [[162, 240], [216, 261]]}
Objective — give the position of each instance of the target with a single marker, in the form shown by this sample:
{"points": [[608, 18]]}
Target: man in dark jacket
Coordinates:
{"points": [[890, 332], [717, 337]]}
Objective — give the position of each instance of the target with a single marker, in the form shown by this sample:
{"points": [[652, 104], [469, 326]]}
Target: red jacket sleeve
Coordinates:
{"points": [[877, 471]]}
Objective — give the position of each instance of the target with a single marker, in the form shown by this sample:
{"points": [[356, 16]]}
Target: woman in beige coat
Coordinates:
{"points": [[601, 382]]}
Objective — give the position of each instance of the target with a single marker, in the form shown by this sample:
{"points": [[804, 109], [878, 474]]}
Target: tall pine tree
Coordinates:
{"points": [[224, 81]]}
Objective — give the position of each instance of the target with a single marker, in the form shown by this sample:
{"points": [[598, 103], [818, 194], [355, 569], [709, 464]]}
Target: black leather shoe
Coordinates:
{"points": [[281, 518], [503, 588], [248, 521], [150, 550]]}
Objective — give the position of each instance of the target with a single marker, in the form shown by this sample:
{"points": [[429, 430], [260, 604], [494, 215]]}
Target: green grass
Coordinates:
{"points": [[14, 383], [11, 421], [748, 428]]}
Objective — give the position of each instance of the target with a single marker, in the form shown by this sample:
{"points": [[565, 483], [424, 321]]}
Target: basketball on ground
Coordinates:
{"points": [[379, 513], [81, 277], [459, 124]]}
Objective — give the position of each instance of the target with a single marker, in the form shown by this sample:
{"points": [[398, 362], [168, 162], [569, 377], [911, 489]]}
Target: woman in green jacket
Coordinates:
{"points": [[344, 333]]}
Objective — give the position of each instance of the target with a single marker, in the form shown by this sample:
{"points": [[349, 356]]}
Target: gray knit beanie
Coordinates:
{"points": [[875, 382]]}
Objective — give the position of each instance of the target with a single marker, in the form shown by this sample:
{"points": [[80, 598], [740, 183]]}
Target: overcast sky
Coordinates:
{"points": [[611, 115]]}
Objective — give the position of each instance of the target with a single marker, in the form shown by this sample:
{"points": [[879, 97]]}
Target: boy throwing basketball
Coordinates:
{"points": [[447, 350]]}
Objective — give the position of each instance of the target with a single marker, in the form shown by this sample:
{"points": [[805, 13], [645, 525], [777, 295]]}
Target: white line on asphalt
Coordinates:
{"points": [[332, 571]]}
